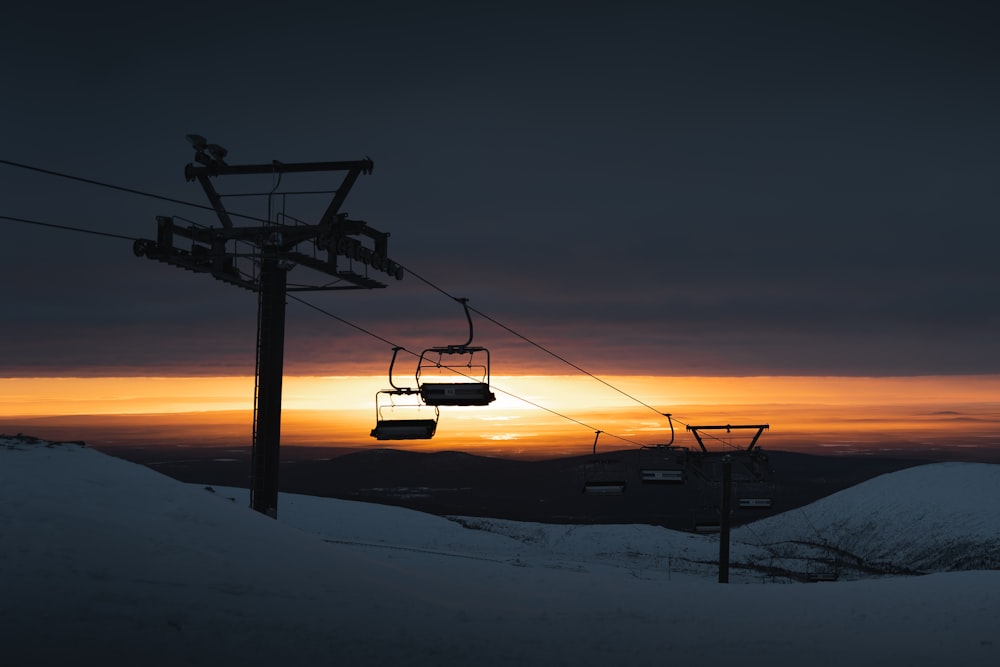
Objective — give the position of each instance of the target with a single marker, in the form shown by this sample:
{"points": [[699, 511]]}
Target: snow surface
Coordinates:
{"points": [[104, 562]]}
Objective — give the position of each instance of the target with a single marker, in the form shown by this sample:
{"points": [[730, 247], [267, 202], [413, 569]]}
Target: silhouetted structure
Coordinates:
{"points": [[388, 425], [752, 459], [470, 364], [604, 476], [258, 258]]}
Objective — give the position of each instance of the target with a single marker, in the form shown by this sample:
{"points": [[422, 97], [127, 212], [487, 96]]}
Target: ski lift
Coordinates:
{"points": [[439, 366], [603, 476], [402, 400], [662, 464]]}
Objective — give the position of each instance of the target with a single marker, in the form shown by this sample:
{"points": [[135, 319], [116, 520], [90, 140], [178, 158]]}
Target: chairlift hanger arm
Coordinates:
{"points": [[468, 316], [465, 347], [664, 445], [395, 351]]}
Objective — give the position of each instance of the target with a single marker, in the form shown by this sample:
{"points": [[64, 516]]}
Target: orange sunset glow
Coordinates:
{"points": [[533, 416]]}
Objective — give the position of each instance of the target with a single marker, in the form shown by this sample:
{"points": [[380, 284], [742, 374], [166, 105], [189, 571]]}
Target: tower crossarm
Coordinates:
{"points": [[695, 430]]}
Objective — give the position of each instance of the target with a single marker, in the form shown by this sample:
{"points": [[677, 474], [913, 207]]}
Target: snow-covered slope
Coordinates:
{"points": [[107, 562], [930, 518]]}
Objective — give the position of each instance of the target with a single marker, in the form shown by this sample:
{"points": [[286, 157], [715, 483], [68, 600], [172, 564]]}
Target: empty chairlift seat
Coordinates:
{"points": [[662, 464], [404, 429], [456, 393], [603, 476], [455, 375], [398, 420], [400, 414]]}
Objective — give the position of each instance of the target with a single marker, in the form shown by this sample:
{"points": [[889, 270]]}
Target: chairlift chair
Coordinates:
{"points": [[661, 476], [755, 494], [455, 374], [391, 427], [388, 426], [759, 466], [662, 464], [603, 477]]}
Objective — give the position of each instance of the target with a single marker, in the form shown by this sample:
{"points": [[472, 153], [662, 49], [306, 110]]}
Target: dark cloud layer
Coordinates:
{"points": [[776, 188]]}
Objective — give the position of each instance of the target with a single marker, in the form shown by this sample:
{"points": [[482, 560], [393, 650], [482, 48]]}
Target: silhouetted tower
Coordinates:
{"points": [[258, 258], [750, 457]]}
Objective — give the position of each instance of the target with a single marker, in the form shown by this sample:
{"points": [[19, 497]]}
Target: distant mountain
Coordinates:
{"points": [[928, 518], [458, 483]]}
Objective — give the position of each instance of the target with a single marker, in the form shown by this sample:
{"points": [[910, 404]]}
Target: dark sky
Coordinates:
{"points": [[691, 188]]}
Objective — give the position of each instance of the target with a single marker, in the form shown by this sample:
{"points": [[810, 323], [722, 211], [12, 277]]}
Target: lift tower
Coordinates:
{"points": [[259, 257], [750, 457]]}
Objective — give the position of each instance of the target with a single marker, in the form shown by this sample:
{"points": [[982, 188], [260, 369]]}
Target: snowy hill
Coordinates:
{"points": [[930, 518], [107, 562]]}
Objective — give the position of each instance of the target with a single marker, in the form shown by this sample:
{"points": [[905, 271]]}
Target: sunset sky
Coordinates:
{"points": [[778, 212]]}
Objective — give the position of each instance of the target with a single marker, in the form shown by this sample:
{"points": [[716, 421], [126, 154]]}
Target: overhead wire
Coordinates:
{"points": [[326, 313], [550, 352], [492, 386], [358, 327], [343, 321], [407, 269], [120, 188], [533, 343], [81, 230]]}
